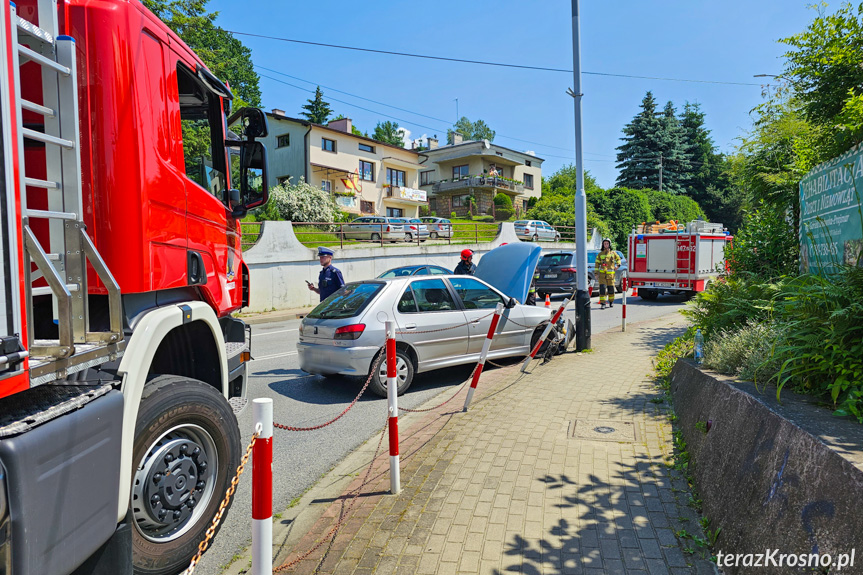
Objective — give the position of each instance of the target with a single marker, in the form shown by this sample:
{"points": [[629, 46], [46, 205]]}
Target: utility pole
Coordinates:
{"points": [[660, 171], [582, 297]]}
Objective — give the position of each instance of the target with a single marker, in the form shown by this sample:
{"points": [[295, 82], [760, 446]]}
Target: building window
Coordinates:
{"points": [[528, 181], [459, 172], [367, 148], [527, 163], [283, 141], [327, 186], [395, 212], [367, 171], [460, 201], [395, 177], [284, 180], [328, 145], [367, 207], [425, 178]]}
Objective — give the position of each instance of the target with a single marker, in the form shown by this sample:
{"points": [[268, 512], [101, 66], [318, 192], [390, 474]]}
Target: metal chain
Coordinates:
{"points": [[343, 516], [411, 332], [372, 373], [211, 530], [458, 391]]}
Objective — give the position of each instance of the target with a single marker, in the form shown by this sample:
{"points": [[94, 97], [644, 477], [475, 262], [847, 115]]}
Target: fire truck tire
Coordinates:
{"points": [[185, 427], [648, 294]]}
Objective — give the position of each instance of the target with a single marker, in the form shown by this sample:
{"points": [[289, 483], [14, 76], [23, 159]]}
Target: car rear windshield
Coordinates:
{"points": [[521, 222], [349, 301], [549, 260]]}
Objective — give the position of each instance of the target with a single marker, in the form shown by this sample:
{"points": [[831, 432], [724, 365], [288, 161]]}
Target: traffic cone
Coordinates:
{"points": [[634, 291], [547, 300]]}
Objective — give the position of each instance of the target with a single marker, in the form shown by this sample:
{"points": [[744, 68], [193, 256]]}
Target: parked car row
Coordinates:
{"points": [[536, 230], [377, 228]]}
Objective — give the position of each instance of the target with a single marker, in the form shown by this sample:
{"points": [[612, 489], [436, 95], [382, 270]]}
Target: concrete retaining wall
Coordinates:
{"points": [[279, 263], [773, 476]]}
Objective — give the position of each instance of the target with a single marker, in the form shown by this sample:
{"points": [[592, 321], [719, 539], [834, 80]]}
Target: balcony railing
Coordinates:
{"points": [[479, 182]]}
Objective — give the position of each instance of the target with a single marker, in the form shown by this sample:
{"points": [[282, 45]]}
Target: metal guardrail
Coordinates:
{"points": [[479, 182]]}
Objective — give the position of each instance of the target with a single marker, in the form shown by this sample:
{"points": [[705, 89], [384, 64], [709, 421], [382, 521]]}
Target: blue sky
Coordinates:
{"points": [[727, 41]]}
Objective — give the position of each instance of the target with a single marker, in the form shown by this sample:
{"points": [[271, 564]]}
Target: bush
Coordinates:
{"points": [[623, 209], [424, 211], [765, 245], [746, 352], [558, 210], [303, 202], [485, 218], [665, 206], [730, 302], [452, 215], [502, 201], [503, 214]]}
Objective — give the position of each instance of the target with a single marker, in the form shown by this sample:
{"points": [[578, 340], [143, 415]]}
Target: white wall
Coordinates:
{"points": [[279, 263]]}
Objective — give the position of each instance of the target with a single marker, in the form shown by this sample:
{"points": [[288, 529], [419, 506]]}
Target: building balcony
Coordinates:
{"points": [[404, 195], [488, 182]]}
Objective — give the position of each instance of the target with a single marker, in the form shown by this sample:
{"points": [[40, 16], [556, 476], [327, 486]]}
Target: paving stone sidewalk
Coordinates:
{"points": [[562, 470]]}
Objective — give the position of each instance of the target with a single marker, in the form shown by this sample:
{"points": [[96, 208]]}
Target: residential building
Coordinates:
{"points": [[363, 175], [452, 174]]}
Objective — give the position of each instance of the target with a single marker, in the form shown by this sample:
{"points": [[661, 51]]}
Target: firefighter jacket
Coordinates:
{"points": [[606, 263]]}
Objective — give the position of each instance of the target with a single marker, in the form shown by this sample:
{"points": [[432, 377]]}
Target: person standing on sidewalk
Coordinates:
{"points": [[330, 279], [531, 292], [607, 261], [466, 266]]}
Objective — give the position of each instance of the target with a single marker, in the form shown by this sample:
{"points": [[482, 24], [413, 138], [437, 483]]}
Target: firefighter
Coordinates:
{"points": [[606, 262], [466, 266], [531, 292], [330, 279]]}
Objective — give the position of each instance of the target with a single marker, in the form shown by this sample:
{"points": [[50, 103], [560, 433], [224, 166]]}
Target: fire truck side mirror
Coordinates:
{"points": [[252, 123], [254, 191]]}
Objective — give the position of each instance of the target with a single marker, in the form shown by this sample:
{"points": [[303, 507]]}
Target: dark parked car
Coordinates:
{"points": [[557, 274]]}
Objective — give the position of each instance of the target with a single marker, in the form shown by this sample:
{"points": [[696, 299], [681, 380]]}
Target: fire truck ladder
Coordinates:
{"points": [[64, 267]]}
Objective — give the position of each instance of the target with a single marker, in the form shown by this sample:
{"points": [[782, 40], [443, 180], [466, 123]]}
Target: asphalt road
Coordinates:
{"points": [[301, 458]]}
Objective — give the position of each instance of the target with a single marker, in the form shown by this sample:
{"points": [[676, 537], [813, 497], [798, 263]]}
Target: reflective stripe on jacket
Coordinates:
{"points": [[606, 263]]}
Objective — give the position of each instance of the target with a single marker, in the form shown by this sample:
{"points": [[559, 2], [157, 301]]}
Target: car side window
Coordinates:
{"points": [[474, 294], [432, 295], [407, 304], [438, 271], [422, 272]]}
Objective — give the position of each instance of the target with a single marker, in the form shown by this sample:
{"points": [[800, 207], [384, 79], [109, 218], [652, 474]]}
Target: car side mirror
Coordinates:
{"points": [[511, 303]]}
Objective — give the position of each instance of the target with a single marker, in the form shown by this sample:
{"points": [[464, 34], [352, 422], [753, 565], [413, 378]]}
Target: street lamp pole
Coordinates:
{"points": [[582, 296]]}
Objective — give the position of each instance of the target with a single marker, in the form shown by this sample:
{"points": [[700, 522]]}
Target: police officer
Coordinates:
{"points": [[465, 266], [330, 279]]}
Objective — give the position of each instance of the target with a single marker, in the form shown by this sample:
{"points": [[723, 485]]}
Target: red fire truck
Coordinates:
{"points": [[121, 368], [676, 258]]}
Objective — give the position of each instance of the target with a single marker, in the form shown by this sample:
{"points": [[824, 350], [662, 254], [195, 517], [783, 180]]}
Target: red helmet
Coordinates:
{"points": [[466, 254]]}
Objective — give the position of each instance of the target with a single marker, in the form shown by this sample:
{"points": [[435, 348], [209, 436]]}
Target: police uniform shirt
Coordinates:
{"points": [[329, 281]]}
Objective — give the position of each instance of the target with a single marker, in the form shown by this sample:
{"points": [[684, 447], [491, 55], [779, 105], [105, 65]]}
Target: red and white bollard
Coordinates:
{"points": [[545, 333], [262, 488], [485, 347], [623, 318], [392, 403]]}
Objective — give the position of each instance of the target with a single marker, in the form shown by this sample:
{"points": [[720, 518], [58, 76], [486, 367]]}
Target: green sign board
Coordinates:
{"points": [[831, 222]]}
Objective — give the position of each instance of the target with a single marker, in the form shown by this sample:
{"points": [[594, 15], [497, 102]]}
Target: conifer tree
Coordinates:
{"points": [[638, 156], [317, 110], [675, 160]]}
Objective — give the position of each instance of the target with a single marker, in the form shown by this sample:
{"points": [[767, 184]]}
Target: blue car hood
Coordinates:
{"points": [[510, 268]]}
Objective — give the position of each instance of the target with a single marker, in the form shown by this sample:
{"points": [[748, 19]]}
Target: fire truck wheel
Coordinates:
{"points": [[187, 449], [648, 294]]}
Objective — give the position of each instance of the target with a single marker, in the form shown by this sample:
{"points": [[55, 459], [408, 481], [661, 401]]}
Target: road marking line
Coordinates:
{"points": [[275, 355], [275, 332]]}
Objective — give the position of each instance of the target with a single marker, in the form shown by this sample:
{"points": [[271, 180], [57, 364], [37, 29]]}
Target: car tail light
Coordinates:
{"points": [[350, 331], [413, 228], [388, 228], [570, 270]]}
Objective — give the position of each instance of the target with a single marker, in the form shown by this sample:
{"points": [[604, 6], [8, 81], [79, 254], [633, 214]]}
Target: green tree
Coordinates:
{"points": [[303, 202], [565, 179], [623, 209], [638, 156], [354, 130], [478, 130], [224, 55], [389, 133], [558, 210], [665, 206], [674, 157], [317, 110]]}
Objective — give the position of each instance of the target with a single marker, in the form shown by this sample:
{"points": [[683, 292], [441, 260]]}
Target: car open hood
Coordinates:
{"points": [[510, 268]]}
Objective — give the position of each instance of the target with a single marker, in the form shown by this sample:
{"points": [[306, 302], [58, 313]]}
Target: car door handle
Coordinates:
{"points": [[411, 326], [475, 320]]}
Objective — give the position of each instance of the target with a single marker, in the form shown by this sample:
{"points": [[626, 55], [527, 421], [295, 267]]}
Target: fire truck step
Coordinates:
{"points": [[37, 108], [47, 139], [28, 54], [238, 404], [49, 214], [34, 31], [36, 183], [48, 291]]}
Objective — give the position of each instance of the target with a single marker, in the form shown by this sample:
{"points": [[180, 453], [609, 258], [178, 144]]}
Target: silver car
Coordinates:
{"points": [[536, 230], [438, 227], [374, 228], [414, 229], [441, 321]]}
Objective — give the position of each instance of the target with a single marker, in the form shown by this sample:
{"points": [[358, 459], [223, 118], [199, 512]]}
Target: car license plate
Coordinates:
{"points": [[550, 276], [663, 284]]}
